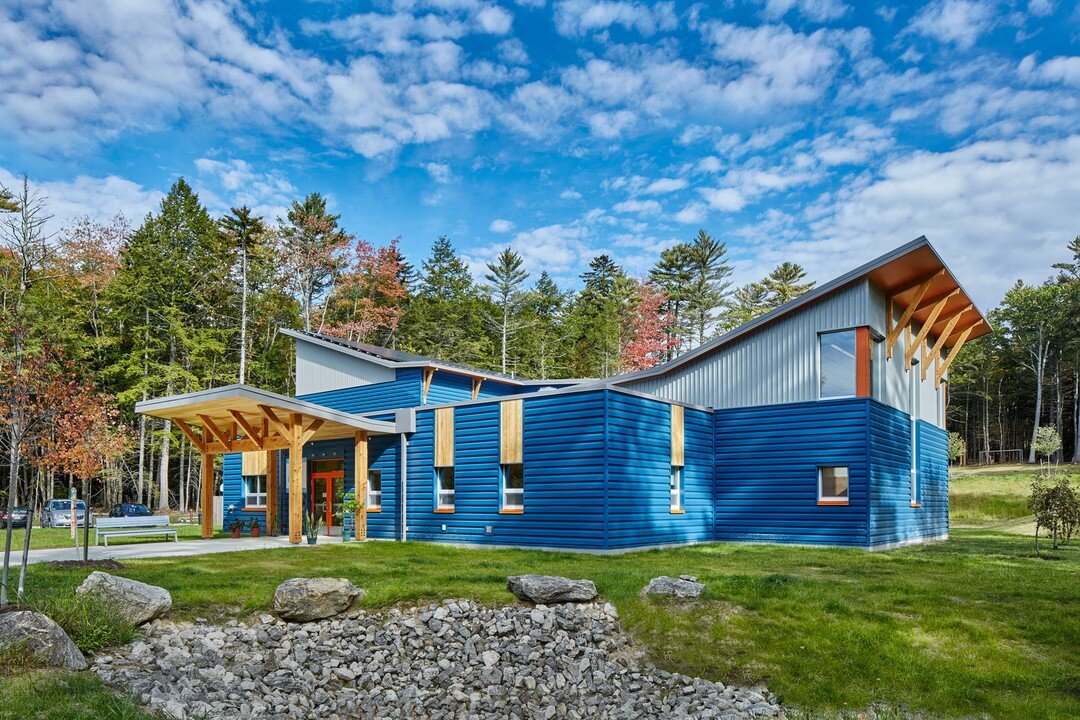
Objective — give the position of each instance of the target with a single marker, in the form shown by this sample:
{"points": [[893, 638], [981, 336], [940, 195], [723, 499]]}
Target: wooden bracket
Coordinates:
{"points": [[920, 291], [197, 441], [952, 356], [250, 431], [476, 383], [940, 344], [930, 320], [217, 432], [279, 425], [311, 430], [429, 373]]}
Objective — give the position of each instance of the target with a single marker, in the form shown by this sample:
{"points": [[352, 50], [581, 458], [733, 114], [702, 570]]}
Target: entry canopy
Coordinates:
{"points": [[241, 418]]}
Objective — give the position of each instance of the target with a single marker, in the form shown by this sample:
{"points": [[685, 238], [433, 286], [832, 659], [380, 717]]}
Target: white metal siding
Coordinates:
{"points": [[776, 364], [319, 369]]}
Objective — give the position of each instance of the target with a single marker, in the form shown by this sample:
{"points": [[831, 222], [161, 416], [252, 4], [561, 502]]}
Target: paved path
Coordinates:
{"points": [[162, 548]]}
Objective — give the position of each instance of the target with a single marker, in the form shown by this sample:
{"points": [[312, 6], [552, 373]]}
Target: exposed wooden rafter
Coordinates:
{"points": [[429, 373], [310, 430], [221, 435], [476, 383], [197, 441], [944, 367], [249, 431], [924, 332], [279, 425], [935, 352], [920, 288]]}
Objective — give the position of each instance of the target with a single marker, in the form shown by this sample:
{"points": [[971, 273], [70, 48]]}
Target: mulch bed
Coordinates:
{"points": [[92, 564]]}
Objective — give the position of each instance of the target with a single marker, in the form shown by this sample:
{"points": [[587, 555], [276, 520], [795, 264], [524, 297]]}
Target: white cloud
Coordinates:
{"points": [[512, 51], [581, 17], [99, 198], [641, 207], [728, 199], [501, 226], [999, 210], [1062, 69], [818, 10], [570, 194], [558, 248], [610, 125], [692, 214], [494, 20], [235, 182], [960, 22], [1041, 8], [665, 185], [439, 172]]}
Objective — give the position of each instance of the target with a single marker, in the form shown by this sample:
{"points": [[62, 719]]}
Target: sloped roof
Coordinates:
{"points": [[900, 273]]}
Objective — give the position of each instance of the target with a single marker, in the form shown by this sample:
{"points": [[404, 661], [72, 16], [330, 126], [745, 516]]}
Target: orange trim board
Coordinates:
{"points": [[832, 502], [444, 510], [677, 512], [862, 362], [512, 511], [375, 509], [253, 508]]}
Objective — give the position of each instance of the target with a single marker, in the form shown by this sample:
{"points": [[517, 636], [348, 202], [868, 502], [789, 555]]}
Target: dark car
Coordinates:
{"points": [[18, 517], [129, 510]]}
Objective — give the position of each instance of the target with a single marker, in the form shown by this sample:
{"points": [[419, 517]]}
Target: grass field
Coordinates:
{"points": [[42, 538], [989, 496], [973, 627]]}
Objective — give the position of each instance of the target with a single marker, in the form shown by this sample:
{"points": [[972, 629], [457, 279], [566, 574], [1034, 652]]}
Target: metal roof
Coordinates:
{"points": [[898, 273]]}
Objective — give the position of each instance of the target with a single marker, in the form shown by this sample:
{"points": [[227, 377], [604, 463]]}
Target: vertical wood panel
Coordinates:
{"points": [[207, 488], [296, 481], [271, 491], [510, 421], [444, 437], [360, 481], [862, 362], [678, 442], [253, 463]]}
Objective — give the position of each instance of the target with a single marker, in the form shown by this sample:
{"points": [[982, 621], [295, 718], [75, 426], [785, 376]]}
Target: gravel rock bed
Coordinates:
{"points": [[456, 659]]}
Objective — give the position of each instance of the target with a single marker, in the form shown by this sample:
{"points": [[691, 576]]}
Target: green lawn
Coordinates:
{"points": [[41, 538], [989, 496], [974, 626]]}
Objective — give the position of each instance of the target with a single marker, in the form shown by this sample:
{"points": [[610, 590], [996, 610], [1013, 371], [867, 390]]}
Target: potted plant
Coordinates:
{"points": [[236, 526], [351, 506], [253, 525], [312, 525]]}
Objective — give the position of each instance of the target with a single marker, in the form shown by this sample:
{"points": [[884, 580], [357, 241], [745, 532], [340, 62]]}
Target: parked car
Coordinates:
{"points": [[130, 510], [18, 517], [57, 513]]}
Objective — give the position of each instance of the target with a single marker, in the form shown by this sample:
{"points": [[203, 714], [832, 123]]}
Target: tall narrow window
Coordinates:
{"points": [[444, 490], [254, 491], [676, 488], [837, 363], [513, 487], [374, 490], [832, 485]]}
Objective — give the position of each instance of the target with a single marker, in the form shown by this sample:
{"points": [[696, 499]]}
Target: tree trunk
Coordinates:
{"points": [[1076, 417], [1040, 363], [31, 508], [243, 312], [14, 440]]}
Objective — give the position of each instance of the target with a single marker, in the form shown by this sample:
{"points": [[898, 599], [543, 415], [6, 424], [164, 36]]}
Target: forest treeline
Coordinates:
{"points": [[185, 301]]}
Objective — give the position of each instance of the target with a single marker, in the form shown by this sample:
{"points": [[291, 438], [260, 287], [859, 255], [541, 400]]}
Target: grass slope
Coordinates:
{"points": [[973, 626], [989, 496]]}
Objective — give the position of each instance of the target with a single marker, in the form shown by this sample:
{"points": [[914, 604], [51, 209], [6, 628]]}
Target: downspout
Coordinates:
{"points": [[605, 446], [403, 472]]}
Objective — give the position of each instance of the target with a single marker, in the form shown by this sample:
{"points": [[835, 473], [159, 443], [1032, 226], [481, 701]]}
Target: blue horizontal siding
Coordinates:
{"points": [[448, 387], [767, 460], [892, 519], [403, 392], [639, 468], [563, 460]]}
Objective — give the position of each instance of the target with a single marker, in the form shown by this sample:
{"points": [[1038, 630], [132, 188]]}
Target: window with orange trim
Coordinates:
{"points": [[833, 485], [513, 486]]}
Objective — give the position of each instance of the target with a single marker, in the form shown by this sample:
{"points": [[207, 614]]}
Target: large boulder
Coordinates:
{"points": [[137, 602], [307, 599], [39, 636], [684, 586], [550, 589]]}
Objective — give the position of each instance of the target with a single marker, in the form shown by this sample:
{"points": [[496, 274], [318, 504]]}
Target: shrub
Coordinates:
{"points": [[1047, 441], [957, 446], [1056, 506]]}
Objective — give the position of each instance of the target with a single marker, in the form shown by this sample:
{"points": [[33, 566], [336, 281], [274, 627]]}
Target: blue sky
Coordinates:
{"points": [[818, 131]]}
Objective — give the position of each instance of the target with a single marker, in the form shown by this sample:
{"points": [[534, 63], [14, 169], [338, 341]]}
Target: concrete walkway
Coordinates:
{"points": [[165, 548]]}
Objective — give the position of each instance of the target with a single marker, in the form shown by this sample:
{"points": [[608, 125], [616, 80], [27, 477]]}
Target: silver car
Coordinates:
{"points": [[57, 513]]}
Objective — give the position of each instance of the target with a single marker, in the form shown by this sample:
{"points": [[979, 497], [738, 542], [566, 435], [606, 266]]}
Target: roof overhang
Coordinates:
{"points": [[241, 418], [899, 273]]}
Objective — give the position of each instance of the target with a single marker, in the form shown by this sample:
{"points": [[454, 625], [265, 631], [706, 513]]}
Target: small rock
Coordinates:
{"points": [[307, 599], [41, 637], [548, 589], [137, 602], [681, 587]]}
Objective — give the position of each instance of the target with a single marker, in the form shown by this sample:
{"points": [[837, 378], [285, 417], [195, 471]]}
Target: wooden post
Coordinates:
{"points": [[207, 487], [360, 481], [271, 491], [296, 480]]}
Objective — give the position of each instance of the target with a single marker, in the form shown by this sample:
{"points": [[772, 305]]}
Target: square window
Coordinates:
{"points": [[444, 488], [836, 352], [513, 486], [833, 484], [675, 486], [374, 490], [254, 490]]}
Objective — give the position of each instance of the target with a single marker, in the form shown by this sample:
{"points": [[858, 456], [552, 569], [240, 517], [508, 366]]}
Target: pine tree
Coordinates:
{"points": [[786, 283], [445, 275], [506, 277], [544, 348], [1070, 271], [247, 235], [710, 284], [596, 320], [673, 273], [747, 303], [313, 250]]}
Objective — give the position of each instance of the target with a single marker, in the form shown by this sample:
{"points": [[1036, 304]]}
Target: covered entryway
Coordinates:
{"points": [[327, 493], [240, 418]]}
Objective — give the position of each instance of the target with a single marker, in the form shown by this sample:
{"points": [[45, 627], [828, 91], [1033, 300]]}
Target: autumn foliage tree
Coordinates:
{"points": [[650, 334], [367, 303]]}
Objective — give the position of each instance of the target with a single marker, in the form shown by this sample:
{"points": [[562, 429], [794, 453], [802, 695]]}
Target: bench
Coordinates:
{"points": [[132, 526]]}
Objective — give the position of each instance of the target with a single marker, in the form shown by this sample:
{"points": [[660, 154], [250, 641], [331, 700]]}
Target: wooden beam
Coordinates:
{"points": [[919, 283], [311, 429], [271, 491], [221, 435], [476, 383], [935, 352], [678, 435], [206, 486], [281, 426], [296, 481], [905, 319], [360, 480], [250, 431], [961, 328], [862, 362], [925, 331], [952, 356], [429, 373], [930, 302], [275, 442], [195, 439]]}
